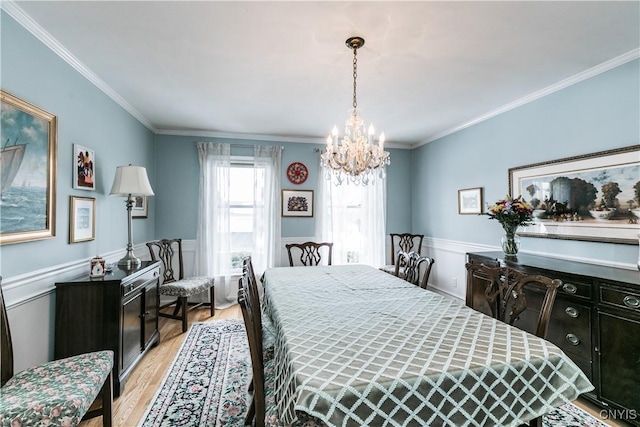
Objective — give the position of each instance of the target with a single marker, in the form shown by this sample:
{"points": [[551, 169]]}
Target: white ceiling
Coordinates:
{"points": [[281, 70]]}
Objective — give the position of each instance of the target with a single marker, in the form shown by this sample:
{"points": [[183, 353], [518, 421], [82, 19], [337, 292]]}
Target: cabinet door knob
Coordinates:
{"points": [[570, 288], [572, 312], [574, 340], [631, 301]]}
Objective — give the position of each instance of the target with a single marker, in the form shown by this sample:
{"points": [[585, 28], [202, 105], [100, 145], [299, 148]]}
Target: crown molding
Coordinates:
{"points": [[577, 78], [47, 39], [258, 137], [37, 31]]}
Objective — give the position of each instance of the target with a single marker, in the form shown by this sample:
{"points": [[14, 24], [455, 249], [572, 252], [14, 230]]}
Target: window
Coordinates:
{"points": [[242, 176], [353, 218]]}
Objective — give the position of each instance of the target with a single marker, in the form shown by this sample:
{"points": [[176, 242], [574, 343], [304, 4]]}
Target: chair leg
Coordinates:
{"points": [[185, 313], [211, 306], [107, 401], [536, 422], [176, 309], [252, 412]]}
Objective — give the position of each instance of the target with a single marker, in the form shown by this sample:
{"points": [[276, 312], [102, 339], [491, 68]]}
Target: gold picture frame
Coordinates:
{"points": [[470, 201], [82, 219], [28, 176], [593, 197]]}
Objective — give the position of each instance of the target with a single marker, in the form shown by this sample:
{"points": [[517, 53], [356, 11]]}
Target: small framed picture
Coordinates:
{"points": [[84, 169], [140, 206], [82, 219], [470, 201], [297, 203]]}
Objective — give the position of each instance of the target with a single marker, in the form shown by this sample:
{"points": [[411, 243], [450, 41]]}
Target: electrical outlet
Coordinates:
{"points": [[455, 282]]}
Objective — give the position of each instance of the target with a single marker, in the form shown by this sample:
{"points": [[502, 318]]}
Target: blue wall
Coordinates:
{"points": [[86, 116], [598, 114], [176, 184]]}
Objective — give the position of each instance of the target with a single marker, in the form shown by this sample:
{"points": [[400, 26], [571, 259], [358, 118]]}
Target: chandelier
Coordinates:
{"points": [[358, 156]]}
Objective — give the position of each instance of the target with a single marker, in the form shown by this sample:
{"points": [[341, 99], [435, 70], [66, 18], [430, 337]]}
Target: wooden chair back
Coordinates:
{"points": [[6, 347], [415, 269], [311, 253], [165, 250], [506, 296], [250, 314], [405, 242], [250, 286]]}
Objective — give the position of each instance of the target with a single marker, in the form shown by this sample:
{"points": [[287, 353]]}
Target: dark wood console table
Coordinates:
{"points": [[117, 312], [595, 321]]}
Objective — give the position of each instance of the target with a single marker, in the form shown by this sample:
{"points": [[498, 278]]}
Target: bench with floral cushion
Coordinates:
{"points": [[57, 393]]}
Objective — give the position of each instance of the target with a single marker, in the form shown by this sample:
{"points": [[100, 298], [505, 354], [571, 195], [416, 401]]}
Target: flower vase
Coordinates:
{"points": [[510, 243]]}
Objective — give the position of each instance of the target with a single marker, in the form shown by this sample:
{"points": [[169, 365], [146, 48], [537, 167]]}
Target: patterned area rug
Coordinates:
{"points": [[207, 383]]}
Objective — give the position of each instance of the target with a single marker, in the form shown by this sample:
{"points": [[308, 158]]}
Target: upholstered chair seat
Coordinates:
{"points": [[187, 286], [56, 393]]}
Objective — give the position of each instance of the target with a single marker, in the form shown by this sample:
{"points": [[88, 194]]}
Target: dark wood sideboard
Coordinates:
{"points": [[117, 312], [595, 321]]}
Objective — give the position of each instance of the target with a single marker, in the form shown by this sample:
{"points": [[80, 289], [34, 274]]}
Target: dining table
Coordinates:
{"points": [[355, 346]]}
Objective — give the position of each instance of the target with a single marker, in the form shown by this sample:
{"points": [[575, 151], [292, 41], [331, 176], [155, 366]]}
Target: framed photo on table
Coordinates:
{"points": [[297, 203], [140, 207], [470, 201], [28, 171], [593, 197], [82, 219]]}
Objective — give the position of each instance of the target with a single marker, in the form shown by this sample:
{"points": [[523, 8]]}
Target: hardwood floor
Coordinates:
{"points": [[144, 381]]}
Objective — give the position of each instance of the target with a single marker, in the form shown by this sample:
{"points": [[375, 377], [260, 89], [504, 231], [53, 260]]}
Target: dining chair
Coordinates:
{"points": [[174, 284], [405, 242], [251, 288], [311, 253], [413, 268], [506, 296], [53, 393], [262, 409]]}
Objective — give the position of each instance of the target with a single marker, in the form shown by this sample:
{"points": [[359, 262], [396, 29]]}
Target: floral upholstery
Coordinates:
{"points": [[186, 287], [56, 393]]}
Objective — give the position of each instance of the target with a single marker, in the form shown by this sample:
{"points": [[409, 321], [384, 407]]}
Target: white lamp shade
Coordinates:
{"points": [[131, 180]]}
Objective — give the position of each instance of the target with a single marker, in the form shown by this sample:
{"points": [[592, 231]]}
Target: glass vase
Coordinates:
{"points": [[510, 243]]}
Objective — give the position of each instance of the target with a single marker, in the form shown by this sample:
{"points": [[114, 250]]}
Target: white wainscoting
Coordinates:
{"points": [[31, 303]]}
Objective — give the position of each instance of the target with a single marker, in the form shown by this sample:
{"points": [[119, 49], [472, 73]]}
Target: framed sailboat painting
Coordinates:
{"points": [[27, 171]]}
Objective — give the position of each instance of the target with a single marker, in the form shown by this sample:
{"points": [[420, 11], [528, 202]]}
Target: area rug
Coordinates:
{"points": [[206, 385]]}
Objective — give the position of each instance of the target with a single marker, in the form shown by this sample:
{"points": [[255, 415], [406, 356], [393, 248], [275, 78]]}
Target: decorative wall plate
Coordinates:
{"points": [[297, 173]]}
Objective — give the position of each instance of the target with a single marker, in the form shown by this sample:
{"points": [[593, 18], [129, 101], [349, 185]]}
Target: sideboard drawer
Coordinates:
{"points": [[570, 327], [572, 287], [618, 297]]}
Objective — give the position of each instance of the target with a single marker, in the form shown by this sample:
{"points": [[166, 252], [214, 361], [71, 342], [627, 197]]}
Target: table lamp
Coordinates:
{"points": [[130, 181]]}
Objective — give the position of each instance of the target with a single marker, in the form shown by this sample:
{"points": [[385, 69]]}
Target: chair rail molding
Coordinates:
{"points": [[23, 288]]}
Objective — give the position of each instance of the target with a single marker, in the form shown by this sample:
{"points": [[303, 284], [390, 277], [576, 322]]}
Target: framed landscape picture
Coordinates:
{"points": [[594, 197], [84, 168], [297, 203], [27, 172]]}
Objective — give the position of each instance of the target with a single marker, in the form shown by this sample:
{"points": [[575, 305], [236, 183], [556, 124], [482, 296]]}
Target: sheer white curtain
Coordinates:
{"points": [[353, 217], [213, 239], [266, 207]]}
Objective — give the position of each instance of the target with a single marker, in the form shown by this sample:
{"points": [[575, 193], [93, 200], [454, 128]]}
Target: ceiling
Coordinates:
{"points": [[281, 70]]}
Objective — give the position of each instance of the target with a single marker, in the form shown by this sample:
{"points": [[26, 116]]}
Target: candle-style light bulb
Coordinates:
{"points": [[381, 141], [334, 132], [329, 142]]}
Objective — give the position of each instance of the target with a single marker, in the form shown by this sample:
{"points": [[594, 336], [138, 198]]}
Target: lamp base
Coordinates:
{"points": [[129, 262]]}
